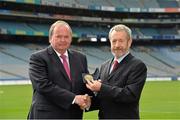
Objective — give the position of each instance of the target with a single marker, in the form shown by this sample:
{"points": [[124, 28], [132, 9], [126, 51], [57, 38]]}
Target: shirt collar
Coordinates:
{"points": [[66, 53], [122, 57]]}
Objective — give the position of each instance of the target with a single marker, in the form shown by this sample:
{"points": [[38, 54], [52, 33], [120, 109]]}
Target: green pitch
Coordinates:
{"points": [[160, 100]]}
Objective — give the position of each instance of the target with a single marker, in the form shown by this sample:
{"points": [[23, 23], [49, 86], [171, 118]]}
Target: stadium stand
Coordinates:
{"points": [[168, 3], [33, 29], [161, 60], [151, 3], [155, 28]]}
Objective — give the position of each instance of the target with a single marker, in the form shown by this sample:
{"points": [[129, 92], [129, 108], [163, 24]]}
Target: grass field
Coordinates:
{"points": [[160, 100]]}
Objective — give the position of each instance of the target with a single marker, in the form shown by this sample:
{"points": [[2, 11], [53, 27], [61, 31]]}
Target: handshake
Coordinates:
{"points": [[84, 101], [92, 83]]}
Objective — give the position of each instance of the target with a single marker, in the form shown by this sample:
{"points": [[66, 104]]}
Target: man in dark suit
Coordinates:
{"points": [[121, 79], [56, 76]]}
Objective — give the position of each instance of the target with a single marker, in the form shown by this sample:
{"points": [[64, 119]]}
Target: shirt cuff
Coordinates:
{"points": [[74, 100], [95, 93]]}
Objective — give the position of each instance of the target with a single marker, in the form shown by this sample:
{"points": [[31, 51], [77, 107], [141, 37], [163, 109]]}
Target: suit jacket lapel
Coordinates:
{"points": [[107, 69], [113, 72], [72, 68], [121, 66], [57, 61]]}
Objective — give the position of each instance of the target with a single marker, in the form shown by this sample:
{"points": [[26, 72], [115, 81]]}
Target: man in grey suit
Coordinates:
{"points": [[56, 76], [121, 79]]}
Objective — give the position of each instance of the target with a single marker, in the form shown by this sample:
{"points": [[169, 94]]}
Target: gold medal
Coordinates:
{"points": [[88, 77]]}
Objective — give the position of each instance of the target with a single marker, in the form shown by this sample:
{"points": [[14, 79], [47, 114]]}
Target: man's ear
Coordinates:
{"points": [[50, 40], [129, 42]]}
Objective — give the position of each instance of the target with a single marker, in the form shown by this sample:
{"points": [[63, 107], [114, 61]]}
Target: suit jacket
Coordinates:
{"points": [[53, 92], [121, 89]]}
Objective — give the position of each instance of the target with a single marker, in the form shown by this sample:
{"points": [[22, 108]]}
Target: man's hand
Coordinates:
{"points": [[84, 101], [94, 85], [87, 102]]}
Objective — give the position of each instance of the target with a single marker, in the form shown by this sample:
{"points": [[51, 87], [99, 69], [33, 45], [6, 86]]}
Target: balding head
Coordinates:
{"points": [[59, 22]]}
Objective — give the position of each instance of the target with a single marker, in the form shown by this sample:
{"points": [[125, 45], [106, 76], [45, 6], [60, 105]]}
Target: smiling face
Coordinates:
{"points": [[120, 42], [61, 38]]}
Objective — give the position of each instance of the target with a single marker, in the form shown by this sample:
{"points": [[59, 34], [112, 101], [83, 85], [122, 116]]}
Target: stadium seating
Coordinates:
{"points": [[122, 3], [168, 3], [14, 60], [33, 29], [118, 3], [161, 61], [150, 3]]}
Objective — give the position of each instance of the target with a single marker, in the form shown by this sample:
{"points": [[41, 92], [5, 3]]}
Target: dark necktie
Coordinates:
{"points": [[115, 65], [66, 67]]}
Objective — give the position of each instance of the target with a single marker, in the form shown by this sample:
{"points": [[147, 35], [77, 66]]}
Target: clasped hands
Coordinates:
{"points": [[84, 101]]}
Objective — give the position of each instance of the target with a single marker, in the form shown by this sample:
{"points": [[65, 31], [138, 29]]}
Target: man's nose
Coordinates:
{"points": [[63, 39], [117, 44]]}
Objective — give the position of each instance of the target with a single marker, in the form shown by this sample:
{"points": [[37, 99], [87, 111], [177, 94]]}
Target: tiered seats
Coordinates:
{"points": [[160, 61], [149, 31], [116, 3], [168, 3], [150, 3], [171, 54], [132, 3], [168, 31], [94, 2], [156, 59], [14, 61], [79, 31]]}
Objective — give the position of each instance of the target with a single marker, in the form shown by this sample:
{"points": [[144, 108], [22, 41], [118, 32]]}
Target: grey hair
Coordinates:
{"points": [[121, 27], [59, 22]]}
